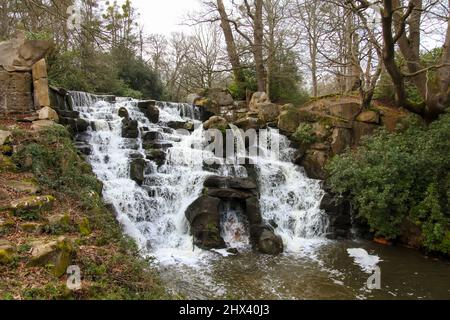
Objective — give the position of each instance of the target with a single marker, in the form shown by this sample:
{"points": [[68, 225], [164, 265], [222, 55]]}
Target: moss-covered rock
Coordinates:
{"points": [[84, 227], [32, 227], [218, 123], [29, 186], [7, 252], [369, 117], [5, 137], [6, 164], [56, 255], [289, 121], [32, 204]]}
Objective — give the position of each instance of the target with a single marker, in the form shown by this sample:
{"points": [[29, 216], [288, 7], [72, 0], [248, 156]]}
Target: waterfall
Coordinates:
{"points": [[154, 213]]}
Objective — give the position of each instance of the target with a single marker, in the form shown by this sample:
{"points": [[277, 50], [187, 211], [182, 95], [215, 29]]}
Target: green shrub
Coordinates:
{"points": [[305, 135], [56, 163], [401, 178]]}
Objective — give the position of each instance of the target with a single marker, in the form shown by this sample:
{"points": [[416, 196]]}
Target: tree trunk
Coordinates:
{"points": [[231, 46], [389, 54], [444, 72], [258, 45]]}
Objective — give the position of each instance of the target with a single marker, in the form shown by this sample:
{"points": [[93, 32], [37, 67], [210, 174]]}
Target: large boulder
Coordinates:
{"points": [[229, 193], [265, 241], [339, 216], [42, 125], [369, 117], [48, 113], [289, 121], [22, 53], [152, 136], [257, 99], [148, 107], [345, 110], [249, 123], [5, 137], [204, 218], [253, 211], [57, 255], [268, 112], [341, 139], [7, 252], [130, 129], [230, 182], [156, 155], [314, 163], [216, 122], [35, 204], [39, 70], [220, 97], [123, 113], [16, 92], [137, 167], [361, 130]]}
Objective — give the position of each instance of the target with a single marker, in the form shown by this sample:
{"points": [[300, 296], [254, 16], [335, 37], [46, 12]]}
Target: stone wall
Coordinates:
{"points": [[23, 75], [16, 92]]}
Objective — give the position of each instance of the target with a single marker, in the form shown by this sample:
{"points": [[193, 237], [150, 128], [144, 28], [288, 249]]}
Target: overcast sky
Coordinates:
{"points": [[164, 16]]}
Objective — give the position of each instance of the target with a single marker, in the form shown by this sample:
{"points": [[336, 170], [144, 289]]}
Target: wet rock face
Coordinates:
{"points": [[148, 107], [225, 192], [130, 129], [266, 241], [137, 168], [204, 218], [339, 213], [225, 182]]}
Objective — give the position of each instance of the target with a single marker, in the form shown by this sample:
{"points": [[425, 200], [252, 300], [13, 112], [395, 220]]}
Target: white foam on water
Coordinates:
{"points": [[364, 260]]}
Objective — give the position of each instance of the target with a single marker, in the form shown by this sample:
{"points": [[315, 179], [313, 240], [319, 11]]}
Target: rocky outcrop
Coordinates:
{"points": [[57, 255], [34, 204], [5, 137], [40, 125], [218, 123], [130, 129], [148, 107], [266, 241], [20, 53], [332, 125], [48, 113], [137, 167], [204, 218], [218, 102], [257, 99], [206, 213]]}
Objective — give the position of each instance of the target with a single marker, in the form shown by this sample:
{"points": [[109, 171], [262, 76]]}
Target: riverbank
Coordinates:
{"points": [[52, 216]]}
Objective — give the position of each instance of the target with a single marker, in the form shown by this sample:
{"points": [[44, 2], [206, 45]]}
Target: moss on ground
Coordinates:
{"points": [[110, 263]]}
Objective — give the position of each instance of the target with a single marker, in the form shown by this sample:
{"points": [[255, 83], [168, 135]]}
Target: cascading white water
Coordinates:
{"points": [[154, 214], [288, 198]]}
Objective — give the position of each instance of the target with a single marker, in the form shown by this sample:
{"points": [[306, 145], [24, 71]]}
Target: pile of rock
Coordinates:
{"points": [[218, 102], [334, 124], [205, 215]]}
